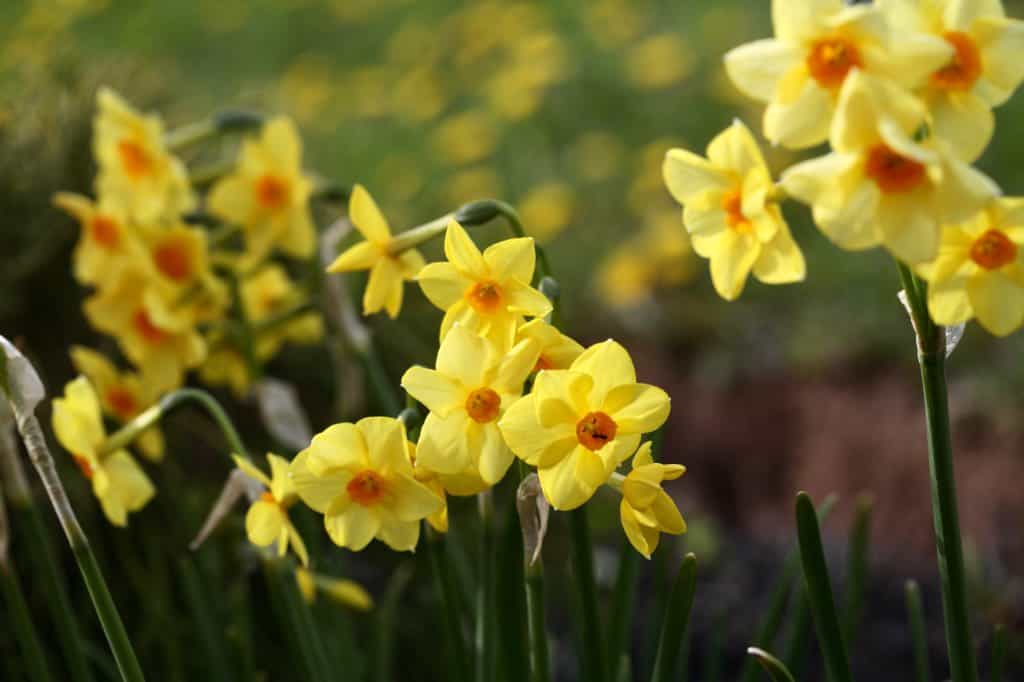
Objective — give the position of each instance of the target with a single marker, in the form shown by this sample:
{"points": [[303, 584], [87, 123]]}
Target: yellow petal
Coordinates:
{"points": [[963, 192], [100, 371], [385, 443], [361, 256], [462, 252], [231, 199], [346, 592], [802, 122], [353, 528], [297, 544], [463, 356], [793, 19], [731, 265], [562, 484], [381, 287], [280, 480], [965, 121], [442, 445], [263, 523], [643, 539], [280, 138], [511, 259], [637, 408], [516, 366], [443, 284], [688, 175], [76, 418], [1001, 42], [756, 68], [908, 228], [400, 536], [151, 444], [318, 492], [340, 445], [642, 486], [251, 470], [366, 217], [529, 440], [998, 302], [411, 500], [643, 455], [735, 149], [781, 260], [439, 392], [609, 364], [128, 481], [495, 457], [667, 514]]}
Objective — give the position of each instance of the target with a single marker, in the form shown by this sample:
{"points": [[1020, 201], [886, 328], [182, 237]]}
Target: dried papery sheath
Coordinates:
{"points": [[12, 473], [282, 414], [953, 336], [534, 512], [5, 533], [20, 381], [239, 485]]}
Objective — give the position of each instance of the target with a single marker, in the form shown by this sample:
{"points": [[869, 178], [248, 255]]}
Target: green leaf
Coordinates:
{"points": [[773, 666], [677, 616]]}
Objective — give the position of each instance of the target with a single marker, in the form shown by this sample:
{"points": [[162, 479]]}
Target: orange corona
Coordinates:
{"points": [[105, 232], [732, 204], [134, 159], [830, 60], [993, 250], [144, 326], [485, 297], [893, 173], [483, 405], [964, 68], [595, 430], [122, 402], [173, 261], [366, 488], [271, 192]]}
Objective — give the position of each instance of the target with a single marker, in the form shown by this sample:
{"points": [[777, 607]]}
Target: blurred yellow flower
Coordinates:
{"points": [[465, 138], [473, 183], [225, 366], [267, 195], [473, 385], [597, 155], [345, 592], [360, 477], [817, 44], [546, 209], [980, 270], [556, 350], [658, 62], [388, 272], [267, 520], [181, 270], [646, 510], [882, 184], [612, 23], [118, 482], [268, 293], [106, 245], [579, 424], [488, 293], [731, 215]]}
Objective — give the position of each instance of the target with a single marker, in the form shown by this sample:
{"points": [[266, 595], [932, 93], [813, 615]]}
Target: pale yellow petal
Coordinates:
{"points": [[523, 299], [251, 470], [353, 528], [400, 536], [337, 446], [443, 284], [442, 446], [463, 356], [385, 443], [263, 523], [781, 261], [948, 301], [732, 263], [529, 440], [439, 392], [512, 258], [361, 256], [688, 175], [802, 122], [908, 228], [366, 217], [609, 364], [756, 68], [410, 500], [462, 252], [998, 302], [128, 481], [1001, 42], [965, 121], [495, 457], [318, 492], [736, 150], [637, 408], [562, 485]]}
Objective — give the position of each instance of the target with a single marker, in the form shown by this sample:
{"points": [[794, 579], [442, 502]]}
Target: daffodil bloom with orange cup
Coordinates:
{"points": [[118, 482], [979, 272], [646, 510], [817, 44], [180, 266], [474, 384], [267, 195], [360, 477], [983, 71], [557, 351], [107, 244], [731, 214], [388, 271], [886, 182], [578, 425], [135, 167], [488, 293], [267, 522]]}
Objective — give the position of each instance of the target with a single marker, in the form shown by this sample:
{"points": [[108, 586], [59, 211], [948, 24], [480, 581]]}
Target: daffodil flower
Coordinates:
{"points": [[107, 244], [730, 212], [180, 264], [980, 270], [646, 510], [883, 184], [473, 385], [579, 424], [981, 73], [118, 482], [267, 520], [488, 292], [360, 477], [388, 271], [557, 351], [817, 44]]}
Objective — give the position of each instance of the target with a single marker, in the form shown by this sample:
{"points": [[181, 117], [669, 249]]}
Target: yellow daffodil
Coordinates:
{"points": [[388, 271], [817, 44], [473, 385], [731, 214], [122, 395], [647, 511], [557, 351], [135, 167], [158, 338], [487, 293], [267, 520], [982, 72], [118, 482], [360, 477], [980, 270], [106, 245], [267, 194], [882, 184], [225, 366], [345, 592], [579, 424]]}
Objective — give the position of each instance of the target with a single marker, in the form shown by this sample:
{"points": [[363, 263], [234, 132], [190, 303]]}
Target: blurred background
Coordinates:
{"points": [[564, 109]]}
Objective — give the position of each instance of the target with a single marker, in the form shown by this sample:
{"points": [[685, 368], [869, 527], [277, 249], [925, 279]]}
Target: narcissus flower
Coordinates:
{"points": [[488, 293], [360, 477], [267, 520], [817, 44], [267, 194], [181, 268], [388, 271], [882, 184], [579, 424], [646, 510], [980, 270], [118, 482], [107, 245], [135, 167], [122, 395], [557, 351], [268, 293], [983, 71], [473, 385], [339, 590], [731, 214]]}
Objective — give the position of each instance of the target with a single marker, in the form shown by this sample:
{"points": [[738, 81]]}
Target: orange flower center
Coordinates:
{"points": [[105, 232], [271, 192], [122, 402], [84, 465], [483, 405], [732, 204], [595, 430], [485, 297], [893, 173], [831, 59], [267, 496], [964, 68], [542, 363], [993, 250], [173, 260], [145, 328], [366, 487], [134, 159]]}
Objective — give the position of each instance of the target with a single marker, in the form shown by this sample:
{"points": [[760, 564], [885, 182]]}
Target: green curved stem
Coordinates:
{"points": [[443, 582], [594, 666], [677, 616]]}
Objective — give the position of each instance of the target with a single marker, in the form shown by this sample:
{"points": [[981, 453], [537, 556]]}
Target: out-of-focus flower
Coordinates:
{"points": [[731, 215], [882, 184], [612, 23], [388, 272], [118, 482], [658, 62], [106, 245], [546, 209], [488, 293], [268, 194], [980, 270], [646, 510], [226, 366], [465, 138], [473, 385], [269, 293], [472, 183], [267, 520], [181, 269], [579, 424], [556, 350], [339, 590], [135, 168], [597, 155], [360, 477], [817, 44], [983, 71]]}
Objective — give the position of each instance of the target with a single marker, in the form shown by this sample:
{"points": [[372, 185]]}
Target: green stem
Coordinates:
{"points": [[796, 647], [918, 637], [998, 653], [677, 617], [209, 631], [540, 666], [277, 575], [485, 640], [200, 131], [622, 601], [860, 537], [455, 645], [510, 595], [593, 659], [25, 633]]}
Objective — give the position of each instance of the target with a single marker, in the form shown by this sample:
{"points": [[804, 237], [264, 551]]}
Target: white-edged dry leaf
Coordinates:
{"points": [[283, 414], [534, 511], [239, 485], [19, 380]]}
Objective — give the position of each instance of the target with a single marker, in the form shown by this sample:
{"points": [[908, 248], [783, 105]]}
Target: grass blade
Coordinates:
{"points": [[860, 538], [773, 666], [25, 633], [593, 660], [622, 604], [915, 615], [676, 618], [998, 652], [455, 644]]}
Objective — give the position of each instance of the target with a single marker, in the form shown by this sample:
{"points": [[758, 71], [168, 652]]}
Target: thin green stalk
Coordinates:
{"points": [[716, 648], [998, 652], [510, 594], [24, 630], [455, 645], [819, 590], [915, 617], [485, 621], [540, 665], [857, 570], [385, 622], [622, 602], [288, 619], [796, 646], [676, 618], [773, 666], [593, 658], [209, 631]]}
